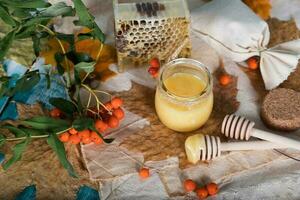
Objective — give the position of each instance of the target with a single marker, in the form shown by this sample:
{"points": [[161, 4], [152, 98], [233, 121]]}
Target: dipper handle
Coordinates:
{"points": [[240, 128], [249, 145], [214, 147]]}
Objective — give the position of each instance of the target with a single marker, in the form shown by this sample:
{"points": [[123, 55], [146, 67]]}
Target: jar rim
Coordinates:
{"points": [[193, 63]]}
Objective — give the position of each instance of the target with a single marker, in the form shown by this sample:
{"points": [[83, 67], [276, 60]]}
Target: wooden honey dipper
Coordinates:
{"points": [[206, 147], [240, 128]]}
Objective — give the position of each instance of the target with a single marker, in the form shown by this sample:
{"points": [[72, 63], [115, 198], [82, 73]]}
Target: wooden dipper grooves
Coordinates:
{"points": [[281, 109]]}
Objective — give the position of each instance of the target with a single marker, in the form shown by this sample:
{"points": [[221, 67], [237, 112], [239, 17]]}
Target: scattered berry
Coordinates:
{"points": [[225, 79], [73, 131], [64, 137], [74, 139], [108, 106], [86, 140], [144, 173], [154, 63], [84, 134], [100, 125], [189, 185], [119, 113], [116, 102], [55, 112], [153, 72], [253, 63], [113, 122], [212, 188], [202, 193], [96, 138]]}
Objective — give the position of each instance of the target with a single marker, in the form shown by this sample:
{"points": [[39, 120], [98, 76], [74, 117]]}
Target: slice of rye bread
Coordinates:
{"points": [[280, 109]]}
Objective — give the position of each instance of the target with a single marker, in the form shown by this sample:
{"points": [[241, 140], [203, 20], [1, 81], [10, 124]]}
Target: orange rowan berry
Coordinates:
{"points": [[113, 122], [86, 140], [212, 188], [116, 102], [154, 63], [189, 185], [225, 79], [84, 134], [96, 138], [144, 173], [74, 139], [252, 63], [153, 72], [64, 137], [73, 131], [119, 113], [202, 193], [55, 112], [100, 125]]}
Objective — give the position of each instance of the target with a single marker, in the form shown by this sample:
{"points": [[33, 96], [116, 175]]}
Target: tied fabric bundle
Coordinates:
{"points": [[238, 33]]}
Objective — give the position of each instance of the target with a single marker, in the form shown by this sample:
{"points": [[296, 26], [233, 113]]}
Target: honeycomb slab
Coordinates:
{"points": [[147, 29]]}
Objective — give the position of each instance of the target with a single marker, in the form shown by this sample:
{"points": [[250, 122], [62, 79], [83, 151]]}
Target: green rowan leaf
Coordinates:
{"points": [[58, 9], [25, 4], [86, 19], [23, 13], [2, 140], [64, 105], [18, 150], [27, 82], [81, 124], [15, 130], [87, 67], [37, 20], [59, 149], [45, 123], [5, 16], [5, 44], [26, 32]]}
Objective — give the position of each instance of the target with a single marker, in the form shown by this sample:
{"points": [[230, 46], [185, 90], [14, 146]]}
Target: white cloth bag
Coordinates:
{"points": [[235, 31]]}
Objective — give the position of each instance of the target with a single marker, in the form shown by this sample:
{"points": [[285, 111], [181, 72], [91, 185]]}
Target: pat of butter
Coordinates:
{"points": [[193, 146]]}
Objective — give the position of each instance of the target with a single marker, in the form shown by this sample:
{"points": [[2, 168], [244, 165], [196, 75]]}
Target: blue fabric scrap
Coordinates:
{"points": [[2, 158], [40, 93], [29, 193], [87, 193]]}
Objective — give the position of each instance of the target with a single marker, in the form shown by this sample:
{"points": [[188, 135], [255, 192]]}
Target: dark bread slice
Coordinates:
{"points": [[281, 109]]}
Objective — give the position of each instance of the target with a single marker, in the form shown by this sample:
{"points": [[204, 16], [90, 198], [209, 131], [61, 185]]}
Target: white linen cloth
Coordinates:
{"points": [[235, 31]]}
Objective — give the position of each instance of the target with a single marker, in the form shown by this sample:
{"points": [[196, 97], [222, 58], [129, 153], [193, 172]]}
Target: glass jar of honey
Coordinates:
{"points": [[184, 97]]}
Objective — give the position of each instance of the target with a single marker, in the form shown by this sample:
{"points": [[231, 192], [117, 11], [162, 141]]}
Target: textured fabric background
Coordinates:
{"points": [[248, 175]]}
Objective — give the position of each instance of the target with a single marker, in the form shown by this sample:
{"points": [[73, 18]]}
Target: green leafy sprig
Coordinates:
{"points": [[26, 17], [32, 19]]}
